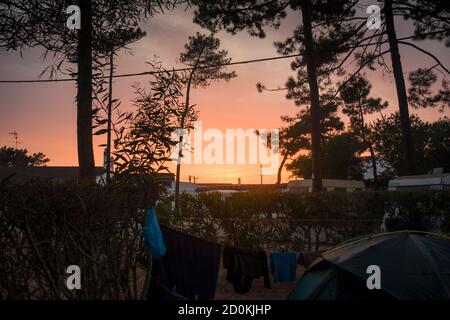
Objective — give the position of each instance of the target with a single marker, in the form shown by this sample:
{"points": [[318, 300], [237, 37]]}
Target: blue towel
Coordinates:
{"points": [[283, 266], [153, 236]]}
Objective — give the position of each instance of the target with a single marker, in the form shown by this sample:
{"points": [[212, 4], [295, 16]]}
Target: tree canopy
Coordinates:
{"points": [[432, 143], [11, 157]]}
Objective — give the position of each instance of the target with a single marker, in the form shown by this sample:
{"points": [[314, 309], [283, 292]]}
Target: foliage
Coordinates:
{"points": [[319, 40], [305, 221], [36, 23], [234, 16], [104, 26], [11, 157], [46, 227], [430, 18], [144, 142], [295, 137], [339, 158], [420, 91], [202, 51], [358, 104], [432, 143], [330, 122], [117, 38]]}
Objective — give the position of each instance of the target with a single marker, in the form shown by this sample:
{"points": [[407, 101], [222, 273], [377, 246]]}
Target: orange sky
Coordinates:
{"points": [[45, 114]]}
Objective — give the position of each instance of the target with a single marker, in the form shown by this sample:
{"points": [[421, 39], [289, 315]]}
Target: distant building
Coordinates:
{"points": [[166, 179], [297, 186], [63, 174], [433, 181], [185, 187], [20, 174], [227, 188]]}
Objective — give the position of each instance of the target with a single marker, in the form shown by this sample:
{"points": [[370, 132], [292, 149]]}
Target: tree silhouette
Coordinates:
{"points": [[358, 104], [319, 18], [11, 157], [201, 51], [397, 69], [420, 92], [144, 140], [431, 21], [432, 145], [340, 159], [119, 37], [42, 23], [295, 137]]}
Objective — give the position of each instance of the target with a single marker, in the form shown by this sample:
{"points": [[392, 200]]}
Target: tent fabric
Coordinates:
{"points": [[313, 282], [414, 265], [308, 258], [329, 282]]}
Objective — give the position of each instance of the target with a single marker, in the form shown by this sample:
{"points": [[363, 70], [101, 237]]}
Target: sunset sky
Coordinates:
{"points": [[44, 114]]}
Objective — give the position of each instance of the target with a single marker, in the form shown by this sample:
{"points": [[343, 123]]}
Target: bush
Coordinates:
{"points": [[306, 221], [47, 226]]}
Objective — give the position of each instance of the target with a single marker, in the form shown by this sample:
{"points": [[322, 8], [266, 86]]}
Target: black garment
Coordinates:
{"points": [[307, 258], [245, 265], [190, 268], [155, 289]]}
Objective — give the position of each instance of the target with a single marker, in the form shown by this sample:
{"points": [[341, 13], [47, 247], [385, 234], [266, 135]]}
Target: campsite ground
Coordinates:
{"points": [[224, 289], [279, 291]]}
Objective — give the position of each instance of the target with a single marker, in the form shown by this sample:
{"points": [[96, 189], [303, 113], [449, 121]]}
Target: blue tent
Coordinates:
{"points": [[413, 265]]}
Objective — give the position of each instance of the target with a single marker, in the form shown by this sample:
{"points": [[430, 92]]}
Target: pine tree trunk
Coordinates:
{"points": [[314, 92], [108, 138], [84, 93], [177, 177], [408, 142], [280, 168], [182, 125]]}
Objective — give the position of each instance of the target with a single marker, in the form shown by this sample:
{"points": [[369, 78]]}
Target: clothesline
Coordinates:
{"points": [[198, 277], [276, 219], [155, 72], [180, 275]]}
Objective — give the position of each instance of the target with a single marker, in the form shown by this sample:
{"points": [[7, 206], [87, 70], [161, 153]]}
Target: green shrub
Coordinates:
{"points": [[305, 221], [47, 226]]}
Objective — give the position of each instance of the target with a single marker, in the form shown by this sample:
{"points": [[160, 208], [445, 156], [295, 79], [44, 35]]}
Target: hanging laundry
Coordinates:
{"points": [[243, 266], [283, 266], [189, 268], [157, 290], [307, 258], [152, 235]]}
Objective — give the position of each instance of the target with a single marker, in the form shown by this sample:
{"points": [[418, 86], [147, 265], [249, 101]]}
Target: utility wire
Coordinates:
{"points": [[278, 219], [204, 67], [125, 75]]}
